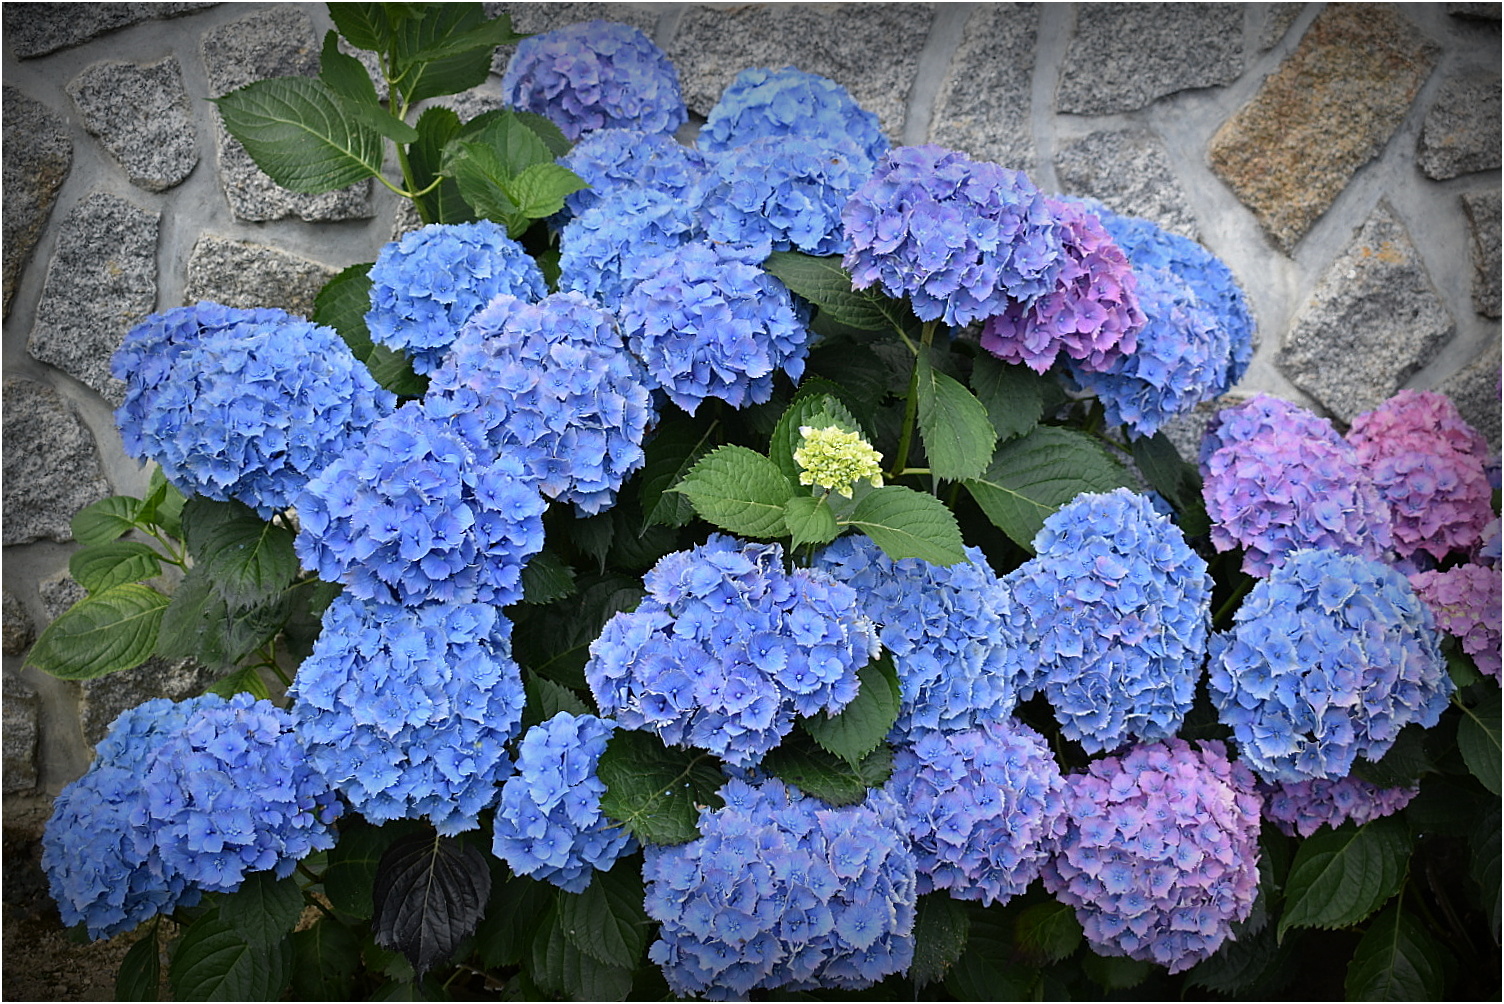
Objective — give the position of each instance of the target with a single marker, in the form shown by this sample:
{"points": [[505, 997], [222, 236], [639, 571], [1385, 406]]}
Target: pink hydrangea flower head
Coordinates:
{"points": [[1304, 807], [1465, 600]]}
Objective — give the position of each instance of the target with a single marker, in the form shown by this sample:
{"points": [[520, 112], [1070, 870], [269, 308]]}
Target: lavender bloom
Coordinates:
{"points": [[760, 103], [615, 244], [1303, 807], [1465, 600], [613, 161]]}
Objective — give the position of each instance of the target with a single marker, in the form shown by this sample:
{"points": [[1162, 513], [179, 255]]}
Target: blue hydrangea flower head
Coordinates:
{"points": [[1327, 660], [613, 245], [781, 891], [1303, 807], [983, 808], [616, 160], [727, 648], [425, 286], [788, 102], [1116, 608], [1160, 853], [595, 75], [407, 710], [552, 385], [241, 404], [549, 823]]}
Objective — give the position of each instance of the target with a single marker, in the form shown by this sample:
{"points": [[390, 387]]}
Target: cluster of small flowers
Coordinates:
{"points": [[615, 244], [727, 648], [613, 161], [1328, 658], [762, 103], [241, 404], [983, 808], [834, 459], [549, 823], [781, 891], [407, 710], [1465, 600], [1278, 478], [1116, 608], [1303, 807], [1160, 855]]}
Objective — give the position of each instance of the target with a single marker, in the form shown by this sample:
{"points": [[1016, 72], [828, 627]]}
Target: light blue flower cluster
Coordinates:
{"points": [[1160, 855], [983, 808], [425, 286], [781, 891], [727, 648], [595, 75], [1116, 609], [1328, 658], [241, 404], [408, 710], [789, 102], [613, 245], [1277, 478], [616, 160], [1303, 807], [950, 631], [709, 323], [550, 385], [422, 511], [549, 823]]}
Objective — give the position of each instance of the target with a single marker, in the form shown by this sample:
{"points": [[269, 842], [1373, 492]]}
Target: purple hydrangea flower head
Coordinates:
{"points": [[614, 244], [549, 823], [950, 631], [727, 648], [1327, 659], [960, 238], [788, 102], [1488, 551], [983, 808], [422, 510], [1116, 608], [407, 710], [782, 891], [1277, 478], [595, 75], [1465, 600], [425, 286], [708, 322], [617, 160], [1429, 465], [1160, 854], [1303, 807], [1092, 314], [241, 404]]}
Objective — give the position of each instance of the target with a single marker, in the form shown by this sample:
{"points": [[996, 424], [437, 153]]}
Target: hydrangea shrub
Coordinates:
{"points": [[1303, 807]]}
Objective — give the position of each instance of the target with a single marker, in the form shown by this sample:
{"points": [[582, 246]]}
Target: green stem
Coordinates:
{"points": [[911, 403], [269, 660], [1225, 611]]}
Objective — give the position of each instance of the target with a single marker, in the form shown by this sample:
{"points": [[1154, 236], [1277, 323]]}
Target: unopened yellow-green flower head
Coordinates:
{"points": [[835, 459]]}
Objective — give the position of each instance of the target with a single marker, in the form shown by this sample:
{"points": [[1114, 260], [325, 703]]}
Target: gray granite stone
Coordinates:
{"points": [[1373, 320], [1124, 56], [35, 29], [17, 632], [243, 274], [102, 280], [58, 594], [20, 729], [1129, 172], [37, 155], [277, 41], [1474, 11], [141, 115], [51, 464], [1277, 20], [1462, 133], [1475, 392], [1483, 211], [105, 698], [987, 94]]}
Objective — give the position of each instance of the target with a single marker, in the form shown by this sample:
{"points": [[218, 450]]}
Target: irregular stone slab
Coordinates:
{"points": [[1124, 56], [141, 115], [104, 699], [1129, 172], [16, 634], [35, 29], [102, 280], [984, 102], [1327, 111], [52, 467], [1474, 11], [37, 155], [1277, 20], [19, 732], [1475, 392], [1373, 320], [1462, 132], [58, 594], [1483, 221], [243, 274], [278, 41]]}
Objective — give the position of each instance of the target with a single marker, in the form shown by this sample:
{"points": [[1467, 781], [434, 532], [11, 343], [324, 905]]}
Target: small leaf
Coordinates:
{"points": [[364, 25], [607, 921], [804, 411], [297, 131], [545, 699], [106, 520], [800, 761], [908, 524], [810, 521], [540, 189], [264, 909], [677, 445], [429, 894], [249, 559], [941, 926], [197, 623], [546, 578], [346, 76], [481, 174], [864, 723], [242, 681], [823, 282], [213, 962], [101, 566], [108, 631], [1046, 933], [326, 957], [1011, 395], [958, 437], [739, 490], [517, 141], [140, 974], [1178, 481], [163, 505], [1478, 739], [1339, 877], [1397, 960], [655, 791], [351, 871]]}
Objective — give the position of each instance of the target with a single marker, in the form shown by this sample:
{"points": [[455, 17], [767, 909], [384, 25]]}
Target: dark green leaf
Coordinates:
{"points": [[297, 131], [429, 894], [739, 490], [545, 699], [865, 722], [326, 958], [1397, 960], [101, 566], [249, 559], [805, 411], [1405, 762], [392, 370], [197, 623], [1253, 964], [986, 971], [958, 437], [1114, 972], [419, 77], [558, 965], [544, 128], [140, 975], [800, 761], [264, 909], [342, 305], [1342, 876], [546, 578], [941, 925], [677, 445], [1478, 739], [308, 601], [823, 282], [202, 516], [908, 524], [556, 642], [108, 631], [1046, 933], [364, 25], [352, 863], [655, 791], [214, 963], [487, 35], [106, 520], [511, 919], [436, 127], [1486, 869], [242, 681], [1174, 478], [607, 921], [1460, 666], [346, 76], [1011, 395]]}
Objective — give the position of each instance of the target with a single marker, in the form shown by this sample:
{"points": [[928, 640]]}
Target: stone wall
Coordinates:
{"points": [[1343, 159]]}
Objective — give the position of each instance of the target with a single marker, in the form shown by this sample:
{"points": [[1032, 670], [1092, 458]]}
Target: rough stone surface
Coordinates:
{"points": [[151, 132], [1126, 55], [19, 731], [274, 42], [102, 280], [1462, 132], [242, 274], [1475, 391], [1327, 111], [1130, 173], [1474, 11], [1373, 320], [105, 698], [984, 102], [35, 29], [51, 464], [870, 49], [16, 633], [1277, 20], [58, 594], [37, 154], [1483, 211]]}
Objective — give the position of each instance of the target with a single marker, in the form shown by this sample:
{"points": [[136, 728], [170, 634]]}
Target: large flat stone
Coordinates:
{"points": [[141, 115], [1329, 109], [1129, 172], [1373, 320], [105, 698], [52, 467], [1124, 56], [1474, 11], [102, 280], [984, 101], [243, 274], [19, 732], [1475, 392], [37, 155], [1483, 210], [35, 29], [1277, 20], [1461, 133], [16, 632]]}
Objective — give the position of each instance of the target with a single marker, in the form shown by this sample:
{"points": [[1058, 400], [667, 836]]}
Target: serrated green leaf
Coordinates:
{"points": [[202, 516], [1046, 933], [908, 524], [481, 175], [249, 560], [540, 189], [1251, 965], [1487, 869], [1339, 877], [364, 25], [342, 305], [163, 505], [102, 566], [264, 909], [214, 963], [1478, 739], [516, 143], [346, 76], [655, 791], [394, 371], [506, 932], [351, 871], [418, 77], [958, 436], [810, 521], [739, 490], [1460, 666], [800, 761], [242, 681], [298, 132], [487, 35], [106, 520], [546, 578], [1176, 479], [545, 699], [804, 411], [1011, 394], [1405, 762], [1114, 972], [823, 282], [865, 722], [985, 971], [545, 129], [140, 973], [197, 623], [555, 643], [1397, 960], [677, 445], [559, 966], [110, 630], [326, 957], [607, 921], [429, 894], [941, 926], [436, 127]]}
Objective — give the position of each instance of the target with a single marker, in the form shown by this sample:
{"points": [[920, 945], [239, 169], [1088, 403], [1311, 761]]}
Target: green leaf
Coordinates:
{"points": [[810, 521], [326, 957], [1046, 933], [214, 963], [511, 920], [865, 722], [1486, 867], [1175, 479], [108, 631], [545, 699], [908, 524], [554, 641], [655, 791], [352, 864], [539, 190], [516, 140], [1339, 877], [807, 410], [1012, 395], [429, 894], [1460, 666], [1033, 476], [436, 127], [559, 966], [163, 505], [941, 926], [958, 437], [1405, 762], [102, 566], [346, 76], [1114, 972], [197, 623], [249, 560], [607, 921], [297, 131], [392, 370], [416, 75], [481, 175], [1397, 960], [264, 909], [1478, 739], [677, 445], [1252, 964], [487, 35], [546, 578], [106, 520], [544, 128], [823, 282], [242, 681], [342, 305], [800, 761], [985, 971], [364, 25], [140, 974], [739, 490]]}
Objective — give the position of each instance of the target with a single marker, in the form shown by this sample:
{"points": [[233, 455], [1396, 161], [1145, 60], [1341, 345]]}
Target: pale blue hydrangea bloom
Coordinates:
{"points": [[789, 102], [612, 161], [1303, 807], [613, 245]]}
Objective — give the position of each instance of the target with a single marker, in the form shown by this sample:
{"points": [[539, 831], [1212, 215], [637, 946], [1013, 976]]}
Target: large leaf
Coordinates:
{"points": [[607, 921], [342, 304], [1403, 765], [986, 971], [264, 910], [677, 445], [1174, 478], [298, 131], [941, 926], [958, 436], [346, 76], [140, 974], [102, 566], [198, 623], [823, 282], [739, 490], [364, 25], [1486, 866], [106, 520], [506, 933], [437, 29], [654, 791], [800, 761], [108, 631], [214, 963], [1478, 739], [1339, 877], [246, 680], [1012, 395], [436, 127], [545, 699], [351, 873], [326, 957], [429, 894], [1397, 960], [248, 559], [1046, 933], [546, 578], [864, 722], [908, 524], [557, 964], [487, 35]]}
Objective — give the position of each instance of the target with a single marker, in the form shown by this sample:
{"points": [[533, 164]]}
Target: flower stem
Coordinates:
{"points": [[911, 405]]}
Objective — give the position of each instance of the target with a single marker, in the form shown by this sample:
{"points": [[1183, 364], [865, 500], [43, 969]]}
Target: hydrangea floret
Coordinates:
{"points": [[834, 459], [1466, 600], [612, 161], [1303, 807], [612, 246], [789, 102]]}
